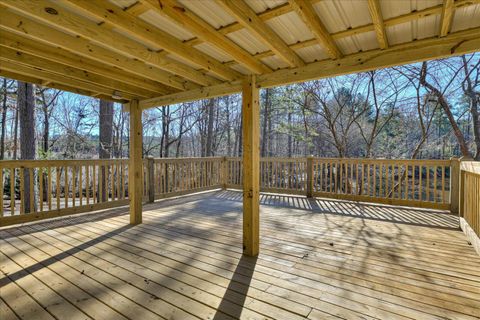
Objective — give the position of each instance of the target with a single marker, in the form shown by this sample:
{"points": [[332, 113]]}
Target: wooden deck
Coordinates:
{"points": [[318, 259]]}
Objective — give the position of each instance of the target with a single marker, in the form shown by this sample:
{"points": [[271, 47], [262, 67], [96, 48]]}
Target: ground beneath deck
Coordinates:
{"points": [[319, 259]]}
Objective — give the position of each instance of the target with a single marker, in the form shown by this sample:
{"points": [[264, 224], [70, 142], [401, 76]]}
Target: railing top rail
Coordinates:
{"points": [[395, 161], [470, 166], [56, 163], [187, 159]]}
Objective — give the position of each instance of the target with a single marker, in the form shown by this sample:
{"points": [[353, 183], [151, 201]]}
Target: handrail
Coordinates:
{"points": [[72, 186], [418, 183], [470, 201], [38, 189]]}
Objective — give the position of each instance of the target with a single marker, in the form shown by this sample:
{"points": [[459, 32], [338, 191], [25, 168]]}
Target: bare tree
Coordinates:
{"points": [[105, 140], [26, 107]]}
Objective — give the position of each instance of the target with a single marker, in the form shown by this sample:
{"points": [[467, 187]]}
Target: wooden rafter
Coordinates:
{"points": [[55, 77], [37, 81], [74, 73], [29, 28], [65, 20], [204, 31], [448, 10], [433, 48], [249, 19], [307, 13], [152, 35], [56, 54], [286, 8], [377, 18]]}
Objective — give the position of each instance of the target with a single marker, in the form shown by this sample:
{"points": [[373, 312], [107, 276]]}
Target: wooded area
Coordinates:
{"points": [[428, 110]]}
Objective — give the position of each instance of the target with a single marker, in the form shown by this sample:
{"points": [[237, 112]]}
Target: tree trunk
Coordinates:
{"points": [[26, 107], [446, 108], [105, 143], [4, 119], [266, 117], [210, 106], [15, 134]]}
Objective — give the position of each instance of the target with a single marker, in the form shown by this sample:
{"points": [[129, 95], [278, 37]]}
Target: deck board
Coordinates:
{"points": [[320, 259]]}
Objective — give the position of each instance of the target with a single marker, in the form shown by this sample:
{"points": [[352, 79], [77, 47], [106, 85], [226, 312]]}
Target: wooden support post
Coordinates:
{"points": [[310, 177], [135, 164], [454, 185], [151, 178], [251, 166]]}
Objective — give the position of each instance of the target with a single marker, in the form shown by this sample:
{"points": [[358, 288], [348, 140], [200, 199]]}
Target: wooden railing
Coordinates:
{"points": [[470, 201], [418, 183], [38, 189], [62, 187], [167, 177]]}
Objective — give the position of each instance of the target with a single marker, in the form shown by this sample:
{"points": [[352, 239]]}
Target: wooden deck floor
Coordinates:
{"points": [[319, 260]]}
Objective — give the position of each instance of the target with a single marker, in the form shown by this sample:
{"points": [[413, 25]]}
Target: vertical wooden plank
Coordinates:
{"points": [[31, 183], [80, 184], [12, 191], [420, 182], [117, 169], [454, 185], [443, 184], [58, 181], [87, 184], [40, 188], [74, 188], [112, 179], [49, 188], [151, 178], [101, 178], [413, 183], [22, 191], [135, 189], [435, 183], [251, 161], [310, 176], [427, 169], [94, 184], [122, 180], [66, 189]]}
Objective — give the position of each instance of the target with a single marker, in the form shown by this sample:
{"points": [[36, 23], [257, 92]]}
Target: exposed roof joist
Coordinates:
{"points": [[249, 19], [448, 9], [65, 20], [307, 13], [434, 48], [150, 34], [54, 85], [379, 25], [56, 54], [204, 31]]}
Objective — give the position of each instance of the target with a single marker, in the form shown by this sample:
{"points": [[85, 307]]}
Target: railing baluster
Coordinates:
{"points": [[40, 188]]}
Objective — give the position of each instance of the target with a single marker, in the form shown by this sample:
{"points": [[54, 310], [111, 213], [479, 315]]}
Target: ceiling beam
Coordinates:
{"points": [[286, 8], [71, 72], [36, 48], [433, 48], [249, 19], [27, 27], [116, 17], [307, 13], [218, 90], [448, 10], [377, 18], [39, 73], [205, 32], [53, 14], [53, 85]]}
